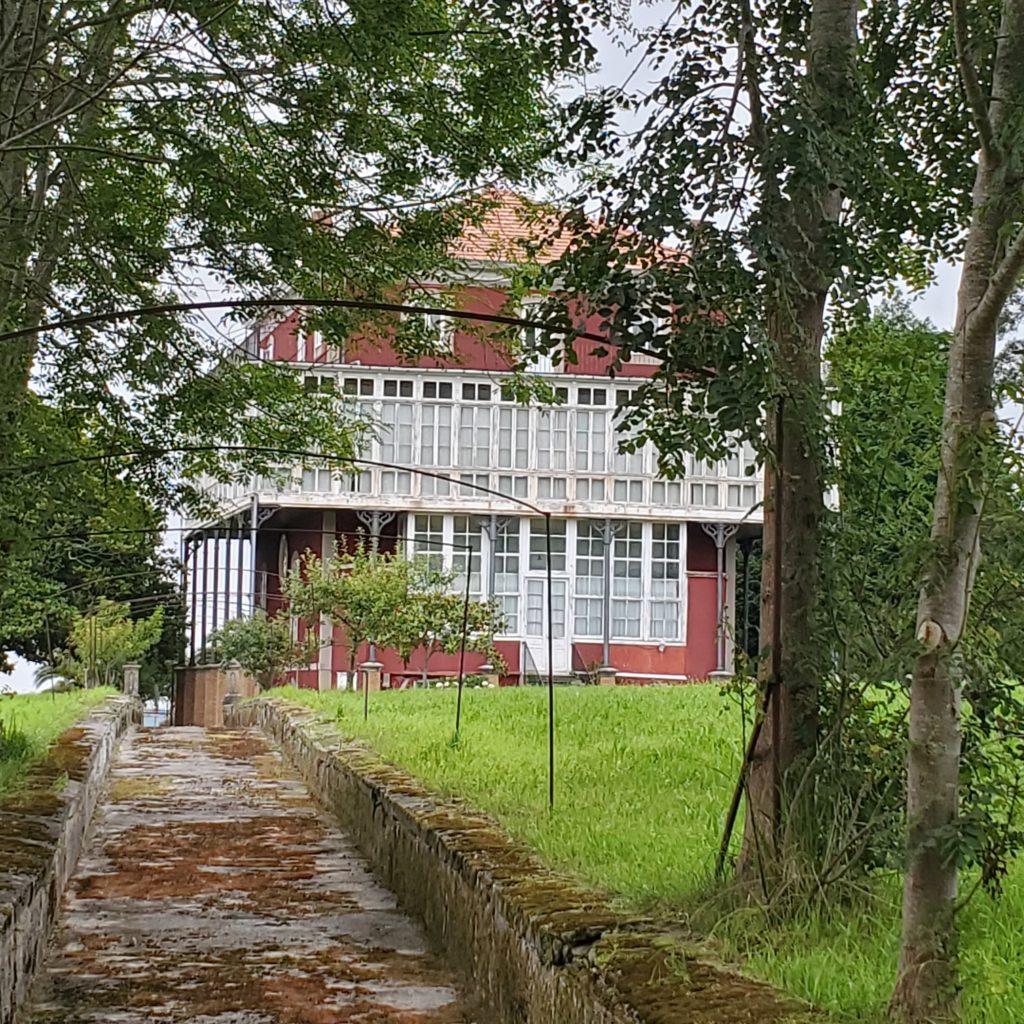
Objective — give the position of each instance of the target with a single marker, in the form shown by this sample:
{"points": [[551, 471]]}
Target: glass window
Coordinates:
{"points": [[588, 612], [402, 388], [470, 484], [538, 559], [428, 540], [513, 438], [514, 486], [551, 487], [395, 482], [704, 494], [396, 432], [437, 389], [466, 533], [666, 581], [475, 436], [666, 492], [436, 435], [589, 490], [506, 574], [629, 491], [627, 580], [552, 439], [742, 495], [591, 440]]}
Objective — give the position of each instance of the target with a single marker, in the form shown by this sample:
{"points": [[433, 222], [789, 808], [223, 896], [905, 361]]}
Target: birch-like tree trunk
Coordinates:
{"points": [[926, 986]]}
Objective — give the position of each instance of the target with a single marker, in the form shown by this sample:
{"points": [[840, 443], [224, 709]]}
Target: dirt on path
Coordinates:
{"points": [[213, 890]]}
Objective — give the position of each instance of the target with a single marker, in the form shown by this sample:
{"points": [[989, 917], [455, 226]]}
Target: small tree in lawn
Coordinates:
{"points": [[431, 618], [263, 646], [100, 644], [363, 592]]}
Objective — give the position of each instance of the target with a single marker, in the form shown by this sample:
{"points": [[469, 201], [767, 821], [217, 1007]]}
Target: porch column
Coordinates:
{"points": [[493, 527], [375, 520], [606, 673], [325, 666], [720, 534]]}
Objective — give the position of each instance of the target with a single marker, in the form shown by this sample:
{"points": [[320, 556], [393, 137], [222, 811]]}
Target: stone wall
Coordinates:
{"points": [[42, 828], [534, 946]]}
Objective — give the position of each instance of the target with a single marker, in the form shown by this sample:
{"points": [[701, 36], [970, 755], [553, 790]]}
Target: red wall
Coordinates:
{"points": [[471, 349]]}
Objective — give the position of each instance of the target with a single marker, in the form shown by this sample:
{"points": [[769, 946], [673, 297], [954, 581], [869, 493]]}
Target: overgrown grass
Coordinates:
{"points": [[643, 780], [30, 723]]}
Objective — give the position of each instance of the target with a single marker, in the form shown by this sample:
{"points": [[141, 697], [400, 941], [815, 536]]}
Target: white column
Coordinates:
{"points": [[325, 674]]}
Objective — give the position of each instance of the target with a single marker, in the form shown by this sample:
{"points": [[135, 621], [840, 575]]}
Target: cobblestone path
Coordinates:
{"points": [[213, 890]]}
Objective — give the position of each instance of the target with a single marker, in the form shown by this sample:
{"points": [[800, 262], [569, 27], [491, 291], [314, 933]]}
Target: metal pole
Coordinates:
{"points": [[462, 646], [241, 570], [551, 664], [374, 547], [206, 573], [216, 575], [253, 518], [192, 545], [227, 574]]}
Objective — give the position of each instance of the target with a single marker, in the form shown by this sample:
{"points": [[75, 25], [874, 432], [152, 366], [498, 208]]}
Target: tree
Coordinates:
{"points": [[263, 646], [87, 532], [775, 215], [990, 53], [147, 150], [101, 643], [362, 592], [435, 616], [396, 602]]}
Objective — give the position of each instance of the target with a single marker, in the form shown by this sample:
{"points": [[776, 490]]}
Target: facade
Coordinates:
{"points": [[643, 568]]}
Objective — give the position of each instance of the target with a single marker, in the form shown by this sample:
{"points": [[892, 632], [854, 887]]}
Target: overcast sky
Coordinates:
{"points": [[937, 303]]}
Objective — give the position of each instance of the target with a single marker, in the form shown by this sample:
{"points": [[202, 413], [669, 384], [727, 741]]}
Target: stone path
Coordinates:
{"points": [[214, 891]]}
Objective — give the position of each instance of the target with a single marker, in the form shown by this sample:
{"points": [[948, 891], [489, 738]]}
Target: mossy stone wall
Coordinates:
{"points": [[533, 946], [42, 828]]}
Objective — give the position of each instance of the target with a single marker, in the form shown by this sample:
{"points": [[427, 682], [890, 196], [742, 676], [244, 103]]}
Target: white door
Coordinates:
{"points": [[537, 623]]}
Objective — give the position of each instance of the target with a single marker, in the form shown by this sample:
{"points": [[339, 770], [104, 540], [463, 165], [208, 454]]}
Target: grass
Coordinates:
{"points": [[643, 779], [30, 723]]}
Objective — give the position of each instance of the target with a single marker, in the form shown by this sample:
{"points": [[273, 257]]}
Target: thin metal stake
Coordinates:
{"points": [[551, 670], [462, 646]]}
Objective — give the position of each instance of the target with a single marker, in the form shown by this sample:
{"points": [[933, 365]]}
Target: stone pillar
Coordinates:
{"points": [[232, 686], [371, 675], [606, 676], [131, 678]]}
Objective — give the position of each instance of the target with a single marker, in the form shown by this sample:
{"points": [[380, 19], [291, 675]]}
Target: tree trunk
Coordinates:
{"points": [[801, 216], [926, 985]]}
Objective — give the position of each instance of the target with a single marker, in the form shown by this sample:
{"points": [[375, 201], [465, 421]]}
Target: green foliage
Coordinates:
{"points": [[887, 376], [262, 645], [81, 530], [271, 148], [398, 603], [100, 643]]}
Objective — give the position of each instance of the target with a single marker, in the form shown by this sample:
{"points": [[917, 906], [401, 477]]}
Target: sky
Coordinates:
{"points": [[937, 303]]}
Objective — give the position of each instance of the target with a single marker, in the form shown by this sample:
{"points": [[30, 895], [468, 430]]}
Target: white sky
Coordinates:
{"points": [[937, 303]]}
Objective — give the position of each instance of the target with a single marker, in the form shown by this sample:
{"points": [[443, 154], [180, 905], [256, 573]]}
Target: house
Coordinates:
{"points": [[643, 568]]}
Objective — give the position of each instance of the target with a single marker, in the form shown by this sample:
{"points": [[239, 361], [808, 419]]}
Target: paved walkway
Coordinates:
{"points": [[214, 891]]}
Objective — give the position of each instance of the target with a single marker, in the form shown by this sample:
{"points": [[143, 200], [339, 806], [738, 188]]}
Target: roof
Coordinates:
{"points": [[510, 228], [505, 229]]}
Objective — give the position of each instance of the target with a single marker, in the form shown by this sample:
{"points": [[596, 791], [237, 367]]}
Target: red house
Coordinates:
{"points": [[643, 567]]}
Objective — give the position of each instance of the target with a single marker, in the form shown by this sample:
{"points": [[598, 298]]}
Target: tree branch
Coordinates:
{"points": [[971, 84]]}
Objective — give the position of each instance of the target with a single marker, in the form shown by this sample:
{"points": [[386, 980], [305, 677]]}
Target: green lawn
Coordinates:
{"points": [[643, 779], [28, 724]]}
